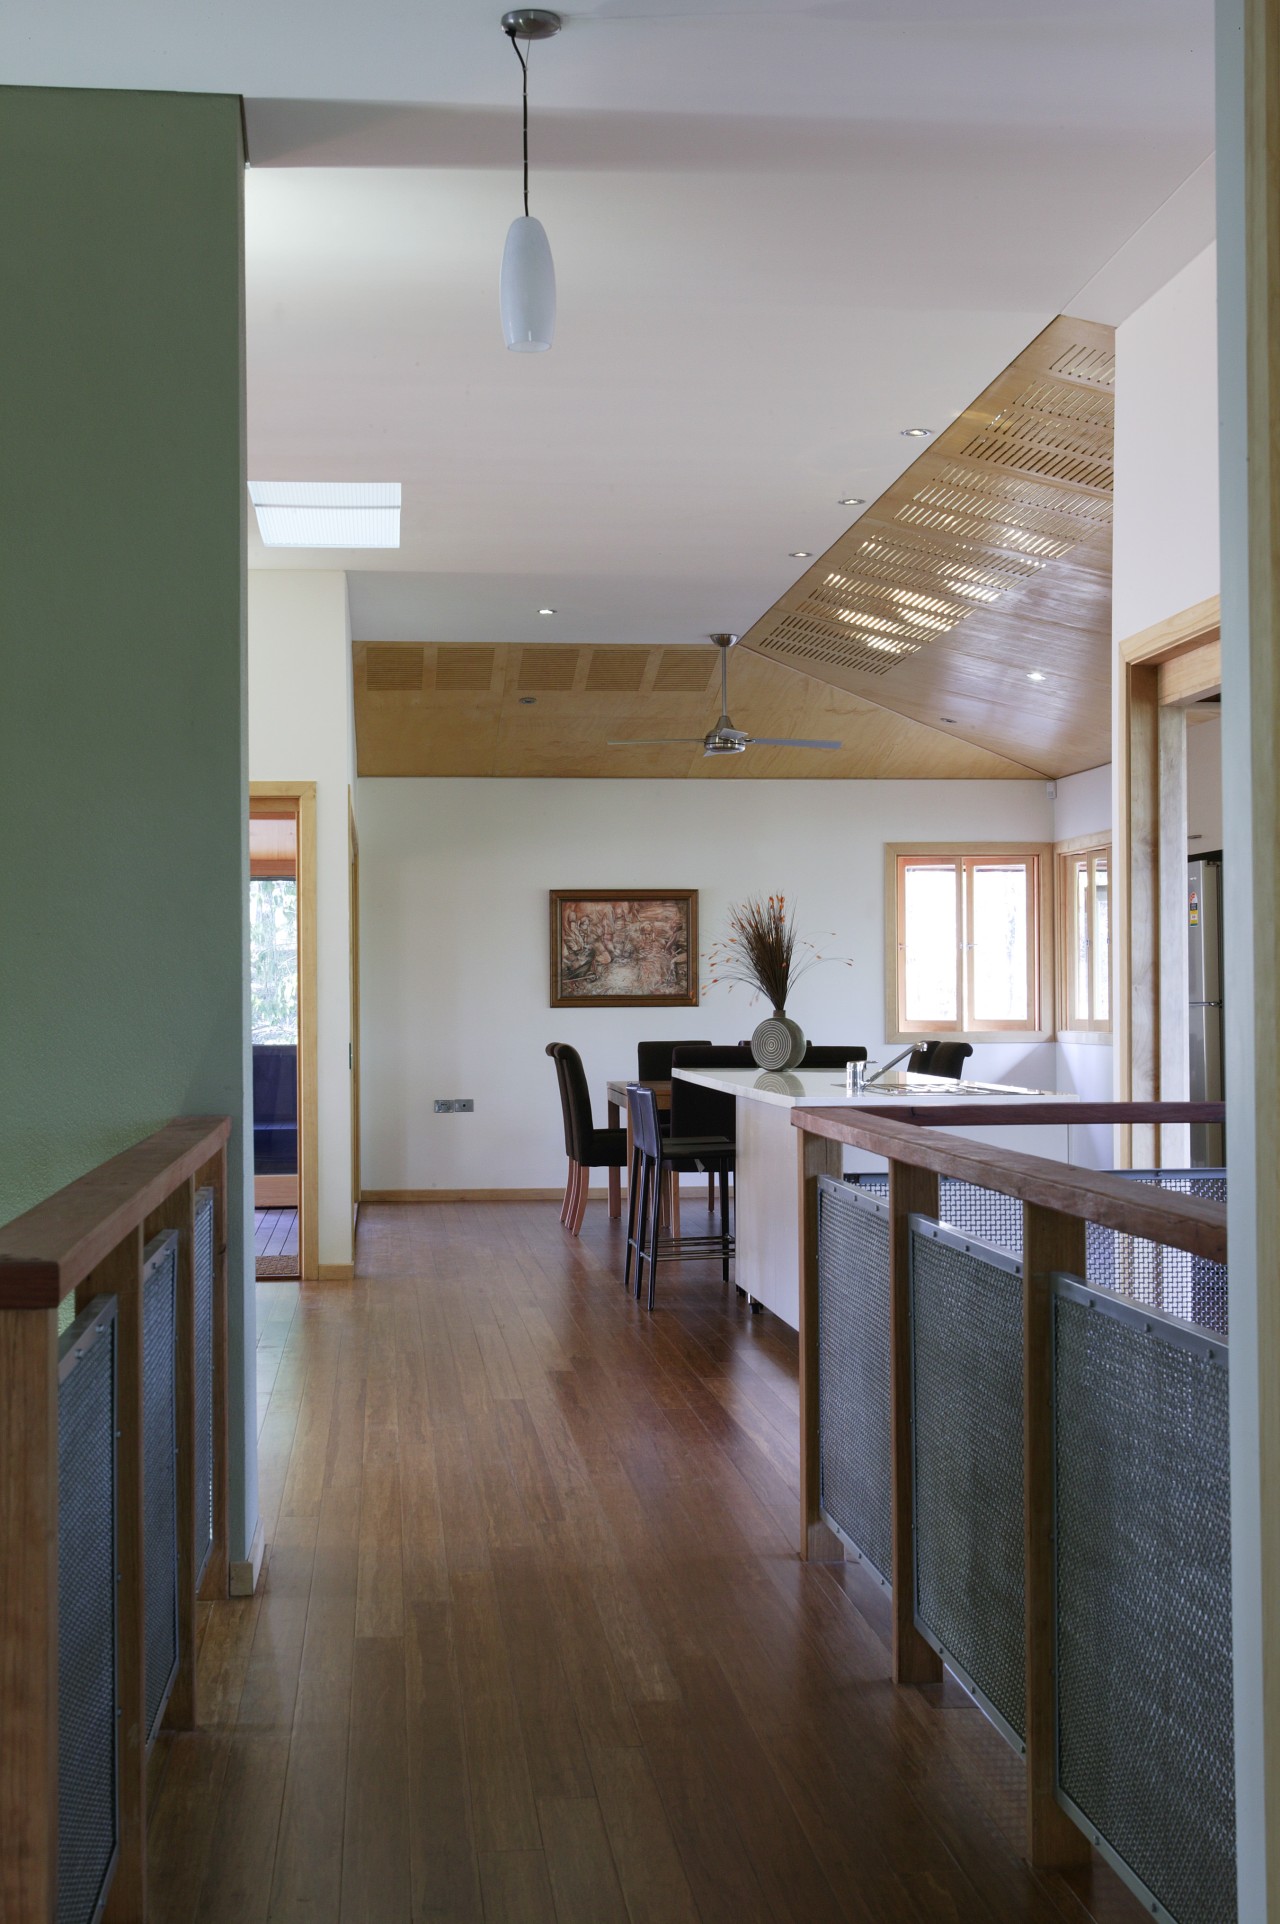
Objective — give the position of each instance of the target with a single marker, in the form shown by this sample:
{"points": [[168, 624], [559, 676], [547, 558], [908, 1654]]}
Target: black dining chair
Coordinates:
{"points": [[705, 1112], [589, 1148], [653, 1059], [553, 1049], [654, 1156], [832, 1055], [940, 1059]]}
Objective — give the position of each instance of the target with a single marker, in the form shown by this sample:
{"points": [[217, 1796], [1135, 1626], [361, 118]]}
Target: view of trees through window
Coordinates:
{"points": [[273, 960]]}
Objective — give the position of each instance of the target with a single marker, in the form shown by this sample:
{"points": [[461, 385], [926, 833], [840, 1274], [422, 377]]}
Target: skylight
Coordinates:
{"points": [[327, 514]]}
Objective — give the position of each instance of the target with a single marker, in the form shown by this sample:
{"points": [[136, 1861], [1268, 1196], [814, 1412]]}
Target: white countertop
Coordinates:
{"points": [[824, 1088]]}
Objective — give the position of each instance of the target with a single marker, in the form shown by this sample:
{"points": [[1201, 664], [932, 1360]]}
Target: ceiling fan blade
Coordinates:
{"points": [[786, 741], [661, 741]]}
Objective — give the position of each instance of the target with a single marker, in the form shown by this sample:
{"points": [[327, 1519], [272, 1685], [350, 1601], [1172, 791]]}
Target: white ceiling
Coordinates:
{"points": [[782, 232]]}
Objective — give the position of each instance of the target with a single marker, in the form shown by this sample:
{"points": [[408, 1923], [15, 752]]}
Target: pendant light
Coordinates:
{"points": [[528, 282]]}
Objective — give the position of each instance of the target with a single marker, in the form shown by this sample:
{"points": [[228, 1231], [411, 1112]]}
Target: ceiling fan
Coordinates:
{"points": [[724, 738]]}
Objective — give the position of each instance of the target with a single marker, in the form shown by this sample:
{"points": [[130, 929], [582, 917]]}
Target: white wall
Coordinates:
{"points": [[1165, 553], [454, 940], [1082, 806], [300, 730]]}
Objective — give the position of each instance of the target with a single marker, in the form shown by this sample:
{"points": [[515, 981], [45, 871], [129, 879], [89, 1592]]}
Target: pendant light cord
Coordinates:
{"points": [[524, 74]]}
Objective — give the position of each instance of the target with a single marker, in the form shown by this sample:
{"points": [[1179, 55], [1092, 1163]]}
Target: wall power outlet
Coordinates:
{"points": [[454, 1105]]}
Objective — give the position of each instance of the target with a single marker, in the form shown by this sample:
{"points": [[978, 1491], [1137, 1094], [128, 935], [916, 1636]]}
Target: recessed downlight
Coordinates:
{"points": [[528, 701], [916, 434], [546, 611], [801, 554], [1034, 674], [852, 501]]}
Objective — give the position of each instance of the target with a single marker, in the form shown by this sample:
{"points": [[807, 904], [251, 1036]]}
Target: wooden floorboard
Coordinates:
{"points": [[532, 1641]]}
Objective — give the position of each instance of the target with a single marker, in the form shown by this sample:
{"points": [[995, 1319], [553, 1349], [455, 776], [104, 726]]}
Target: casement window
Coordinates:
{"points": [[971, 936], [1084, 952]]}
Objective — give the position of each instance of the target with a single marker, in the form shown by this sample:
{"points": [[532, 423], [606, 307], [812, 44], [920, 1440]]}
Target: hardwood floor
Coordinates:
{"points": [[533, 1642]]}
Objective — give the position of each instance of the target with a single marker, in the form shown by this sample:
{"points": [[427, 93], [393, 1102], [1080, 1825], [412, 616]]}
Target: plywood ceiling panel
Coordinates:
{"points": [[442, 724], [988, 560]]}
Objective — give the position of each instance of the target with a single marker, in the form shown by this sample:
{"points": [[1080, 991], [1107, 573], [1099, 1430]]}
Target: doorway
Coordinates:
{"points": [[282, 1026]]}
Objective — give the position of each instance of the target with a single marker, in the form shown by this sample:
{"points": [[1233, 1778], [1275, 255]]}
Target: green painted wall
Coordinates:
{"points": [[123, 869]]}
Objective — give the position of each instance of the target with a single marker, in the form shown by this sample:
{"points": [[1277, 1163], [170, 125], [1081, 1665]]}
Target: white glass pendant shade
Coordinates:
{"points": [[528, 288]]}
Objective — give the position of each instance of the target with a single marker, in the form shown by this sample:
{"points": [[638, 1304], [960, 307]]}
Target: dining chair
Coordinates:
{"points": [[653, 1059], [699, 1107], [832, 1055], [940, 1059], [589, 1148], [655, 1155], [553, 1049]]}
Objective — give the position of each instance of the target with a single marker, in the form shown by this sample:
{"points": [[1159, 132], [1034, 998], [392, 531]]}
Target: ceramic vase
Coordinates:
{"points": [[778, 1042]]}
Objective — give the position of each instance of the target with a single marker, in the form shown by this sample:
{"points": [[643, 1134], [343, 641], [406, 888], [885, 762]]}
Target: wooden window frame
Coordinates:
{"points": [[1040, 960], [1066, 856]]}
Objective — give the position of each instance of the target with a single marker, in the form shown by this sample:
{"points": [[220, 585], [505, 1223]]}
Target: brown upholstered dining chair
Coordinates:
{"points": [[589, 1148]]}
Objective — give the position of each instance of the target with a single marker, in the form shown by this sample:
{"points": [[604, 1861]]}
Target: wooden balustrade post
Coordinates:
{"points": [[1050, 1241], [29, 1614], [912, 1191], [213, 1586], [816, 1156], [178, 1211], [120, 1275]]}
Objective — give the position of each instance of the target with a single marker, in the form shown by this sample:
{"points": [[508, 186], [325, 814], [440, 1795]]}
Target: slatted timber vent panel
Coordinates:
{"points": [[159, 1471], [88, 1692], [815, 641], [854, 1447], [1142, 1541], [1081, 362], [464, 671], [1044, 522], [547, 671], [204, 1279], [685, 671], [966, 1382], [1053, 430], [393, 669], [616, 670]]}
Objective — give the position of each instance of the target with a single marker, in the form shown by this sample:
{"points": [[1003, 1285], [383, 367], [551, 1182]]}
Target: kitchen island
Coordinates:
{"points": [[766, 1191]]}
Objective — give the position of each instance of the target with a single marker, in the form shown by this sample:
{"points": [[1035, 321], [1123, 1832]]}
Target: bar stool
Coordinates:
{"points": [[655, 1154]]}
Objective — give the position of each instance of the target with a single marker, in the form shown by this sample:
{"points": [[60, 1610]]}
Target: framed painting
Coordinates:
{"points": [[624, 949]]}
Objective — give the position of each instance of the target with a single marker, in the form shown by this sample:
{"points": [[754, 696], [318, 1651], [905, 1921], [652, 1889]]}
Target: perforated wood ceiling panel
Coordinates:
{"points": [[395, 668], [444, 723], [989, 559]]}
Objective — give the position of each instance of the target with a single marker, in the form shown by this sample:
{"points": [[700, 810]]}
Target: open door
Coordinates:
{"points": [[282, 1019]]}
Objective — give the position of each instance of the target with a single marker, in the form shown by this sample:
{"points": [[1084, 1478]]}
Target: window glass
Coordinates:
{"points": [[1080, 948], [273, 960], [1101, 943], [929, 938], [999, 937]]}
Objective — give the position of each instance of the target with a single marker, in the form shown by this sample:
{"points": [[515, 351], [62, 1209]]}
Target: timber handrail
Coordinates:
{"points": [[90, 1241], [1135, 1209], [48, 1251]]}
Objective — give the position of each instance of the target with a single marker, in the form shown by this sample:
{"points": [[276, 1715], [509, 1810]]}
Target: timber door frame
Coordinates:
{"points": [[299, 800], [1161, 672], [353, 908]]}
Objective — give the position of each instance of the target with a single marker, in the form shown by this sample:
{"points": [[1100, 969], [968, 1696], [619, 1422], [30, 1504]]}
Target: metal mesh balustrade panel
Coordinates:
{"points": [[966, 1206], [853, 1370], [204, 1376], [967, 1399], [87, 1686], [1143, 1546], [159, 1472], [1189, 1287]]}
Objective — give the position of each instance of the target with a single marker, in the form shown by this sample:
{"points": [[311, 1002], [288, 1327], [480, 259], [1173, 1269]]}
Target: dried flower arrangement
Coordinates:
{"points": [[763, 951]]}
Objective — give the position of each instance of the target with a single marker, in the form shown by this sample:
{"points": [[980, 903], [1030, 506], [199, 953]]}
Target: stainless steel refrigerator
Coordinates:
{"points": [[1204, 939]]}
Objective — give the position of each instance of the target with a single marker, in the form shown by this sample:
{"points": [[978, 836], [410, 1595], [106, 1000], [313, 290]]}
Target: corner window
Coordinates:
{"points": [[967, 942], [1084, 960]]}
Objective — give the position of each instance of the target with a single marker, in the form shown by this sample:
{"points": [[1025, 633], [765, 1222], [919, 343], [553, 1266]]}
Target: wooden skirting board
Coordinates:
{"points": [[335, 1272]]}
